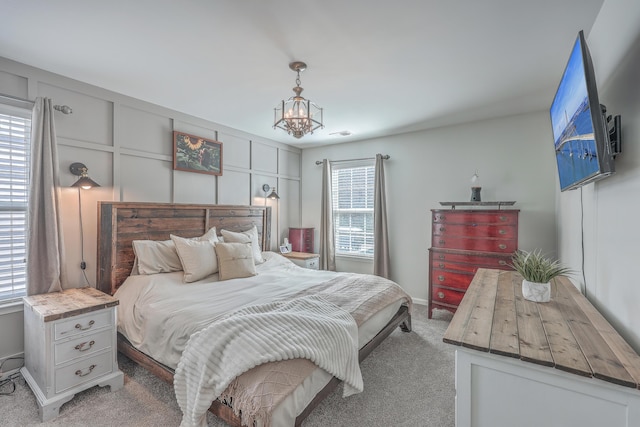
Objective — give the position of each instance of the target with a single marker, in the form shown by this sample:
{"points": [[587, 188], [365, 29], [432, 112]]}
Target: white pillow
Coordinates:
{"points": [[156, 256], [160, 256], [198, 258], [248, 236], [235, 260]]}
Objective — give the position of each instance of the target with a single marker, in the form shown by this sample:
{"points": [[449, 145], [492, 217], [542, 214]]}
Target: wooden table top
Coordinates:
{"points": [[69, 302], [566, 333], [300, 255]]}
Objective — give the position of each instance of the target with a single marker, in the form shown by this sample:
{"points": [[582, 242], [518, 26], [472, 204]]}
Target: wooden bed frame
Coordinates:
{"points": [[119, 223]]}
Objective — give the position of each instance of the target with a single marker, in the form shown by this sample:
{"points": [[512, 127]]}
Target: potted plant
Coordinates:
{"points": [[537, 271]]}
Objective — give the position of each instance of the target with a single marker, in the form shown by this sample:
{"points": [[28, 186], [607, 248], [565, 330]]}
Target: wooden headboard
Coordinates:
{"points": [[119, 223]]}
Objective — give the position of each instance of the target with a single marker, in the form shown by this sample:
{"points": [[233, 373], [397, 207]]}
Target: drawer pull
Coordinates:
{"points": [[441, 217], [441, 242], [441, 265], [441, 295], [502, 232], [442, 228], [441, 278], [503, 218], [441, 256], [79, 326], [81, 374], [81, 346], [502, 262], [502, 246]]}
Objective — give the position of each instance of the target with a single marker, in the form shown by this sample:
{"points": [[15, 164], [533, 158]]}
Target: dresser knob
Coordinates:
{"points": [[502, 262], [441, 256], [441, 295], [502, 232], [503, 218], [83, 374], [502, 246], [441, 242], [441, 278], [442, 228], [79, 326], [81, 346], [441, 265]]}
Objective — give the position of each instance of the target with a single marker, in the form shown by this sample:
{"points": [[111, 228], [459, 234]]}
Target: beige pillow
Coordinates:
{"points": [[156, 256], [160, 256], [198, 258], [235, 260], [248, 236]]}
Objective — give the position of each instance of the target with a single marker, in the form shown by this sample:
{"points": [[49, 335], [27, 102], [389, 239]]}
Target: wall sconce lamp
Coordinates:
{"points": [[274, 196], [84, 182]]}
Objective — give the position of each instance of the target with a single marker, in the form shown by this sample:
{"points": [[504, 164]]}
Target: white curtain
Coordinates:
{"points": [[381, 240], [327, 245], [45, 251]]}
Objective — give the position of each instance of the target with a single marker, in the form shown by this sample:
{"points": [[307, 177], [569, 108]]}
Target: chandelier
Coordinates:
{"points": [[298, 116]]}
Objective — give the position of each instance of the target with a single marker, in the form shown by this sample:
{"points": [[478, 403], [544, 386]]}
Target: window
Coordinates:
{"points": [[352, 197], [15, 143]]}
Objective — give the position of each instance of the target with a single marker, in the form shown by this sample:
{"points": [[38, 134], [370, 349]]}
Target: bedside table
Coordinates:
{"points": [[69, 346], [304, 259]]}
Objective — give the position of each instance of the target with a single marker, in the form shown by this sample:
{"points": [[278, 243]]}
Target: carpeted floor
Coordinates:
{"points": [[409, 381]]}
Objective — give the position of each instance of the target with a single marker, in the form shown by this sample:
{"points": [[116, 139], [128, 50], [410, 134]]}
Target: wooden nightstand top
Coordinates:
{"points": [[68, 303], [301, 255]]}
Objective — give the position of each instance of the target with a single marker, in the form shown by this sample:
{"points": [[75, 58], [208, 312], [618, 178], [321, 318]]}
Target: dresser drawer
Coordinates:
{"points": [[446, 296], [84, 323], [475, 244], [83, 370], [479, 217], [476, 230], [82, 346], [458, 280], [468, 262]]}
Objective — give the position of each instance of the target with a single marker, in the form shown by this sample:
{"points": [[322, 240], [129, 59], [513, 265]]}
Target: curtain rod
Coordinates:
{"points": [[384, 157]]}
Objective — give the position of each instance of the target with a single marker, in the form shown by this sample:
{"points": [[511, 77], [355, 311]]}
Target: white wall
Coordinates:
{"points": [[611, 206], [127, 145], [514, 157]]}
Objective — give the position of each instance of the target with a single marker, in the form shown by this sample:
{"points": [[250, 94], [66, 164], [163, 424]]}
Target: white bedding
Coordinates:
{"points": [[158, 313]]}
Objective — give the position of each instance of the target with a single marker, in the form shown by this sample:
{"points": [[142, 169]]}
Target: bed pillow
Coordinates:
{"points": [[198, 258], [235, 260], [156, 256], [160, 256], [248, 236]]}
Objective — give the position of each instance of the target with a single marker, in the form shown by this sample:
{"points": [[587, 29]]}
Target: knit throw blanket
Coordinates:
{"points": [[307, 327]]}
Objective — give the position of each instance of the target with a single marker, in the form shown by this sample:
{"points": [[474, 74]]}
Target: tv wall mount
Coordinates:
{"points": [[614, 131]]}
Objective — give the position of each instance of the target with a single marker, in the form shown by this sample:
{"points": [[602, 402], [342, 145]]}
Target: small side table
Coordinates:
{"points": [[69, 346], [304, 259]]}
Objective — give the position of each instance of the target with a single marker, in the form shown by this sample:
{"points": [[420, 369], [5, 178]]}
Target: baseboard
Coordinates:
{"points": [[420, 301], [11, 364]]}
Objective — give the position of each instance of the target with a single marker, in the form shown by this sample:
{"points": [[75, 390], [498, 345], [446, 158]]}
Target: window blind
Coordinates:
{"points": [[352, 197], [15, 142]]}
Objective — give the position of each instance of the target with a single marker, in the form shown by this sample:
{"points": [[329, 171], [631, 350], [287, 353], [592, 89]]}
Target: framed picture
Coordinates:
{"points": [[284, 249], [196, 154]]}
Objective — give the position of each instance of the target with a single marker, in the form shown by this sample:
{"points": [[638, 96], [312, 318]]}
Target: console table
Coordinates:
{"points": [[539, 364]]}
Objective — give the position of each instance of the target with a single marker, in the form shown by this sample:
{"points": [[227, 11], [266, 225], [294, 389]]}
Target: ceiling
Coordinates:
{"points": [[376, 67]]}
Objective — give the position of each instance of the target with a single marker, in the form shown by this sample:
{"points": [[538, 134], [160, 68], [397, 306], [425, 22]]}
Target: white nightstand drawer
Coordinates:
{"points": [[84, 370], [82, 346], [84, 323], [313, 263]]}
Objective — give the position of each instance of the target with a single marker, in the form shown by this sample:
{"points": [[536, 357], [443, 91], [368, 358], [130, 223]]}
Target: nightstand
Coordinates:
{"points": [[304, 259], [69, 346]]}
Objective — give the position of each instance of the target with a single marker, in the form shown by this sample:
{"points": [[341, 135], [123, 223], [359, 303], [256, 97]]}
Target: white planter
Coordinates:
{"points": [[538, 292]]}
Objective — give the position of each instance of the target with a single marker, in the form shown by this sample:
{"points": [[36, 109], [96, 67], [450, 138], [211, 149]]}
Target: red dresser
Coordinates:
{"points": [[463, 241], [301, 239]]}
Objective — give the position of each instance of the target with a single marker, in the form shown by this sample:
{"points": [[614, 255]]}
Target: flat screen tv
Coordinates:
{"points": [[580, 130]]}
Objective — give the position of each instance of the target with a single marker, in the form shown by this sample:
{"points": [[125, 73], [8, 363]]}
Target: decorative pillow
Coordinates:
{"points": [[198, 258], [156, 256], [235, 260], [160, 256], [248, 236]]}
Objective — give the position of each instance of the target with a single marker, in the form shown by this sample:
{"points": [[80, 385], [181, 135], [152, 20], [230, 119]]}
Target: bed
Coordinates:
{"points": [[121, 223]]}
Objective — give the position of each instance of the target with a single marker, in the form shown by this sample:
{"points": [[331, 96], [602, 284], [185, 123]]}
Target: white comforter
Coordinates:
{"points": [[158, 313]]}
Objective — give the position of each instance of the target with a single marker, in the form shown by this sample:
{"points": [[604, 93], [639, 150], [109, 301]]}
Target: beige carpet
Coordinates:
{"points": [[408, 382]]}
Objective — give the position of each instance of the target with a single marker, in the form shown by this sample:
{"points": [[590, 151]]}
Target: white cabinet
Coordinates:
{"points": [[70, 345], [304, 259]]}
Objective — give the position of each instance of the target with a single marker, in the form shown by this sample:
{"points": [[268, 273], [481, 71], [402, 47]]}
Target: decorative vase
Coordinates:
{"points": [[537, 292]]}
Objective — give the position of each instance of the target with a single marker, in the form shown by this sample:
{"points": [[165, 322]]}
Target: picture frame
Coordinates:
{"points": [[284, 249], [197, 154]]}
